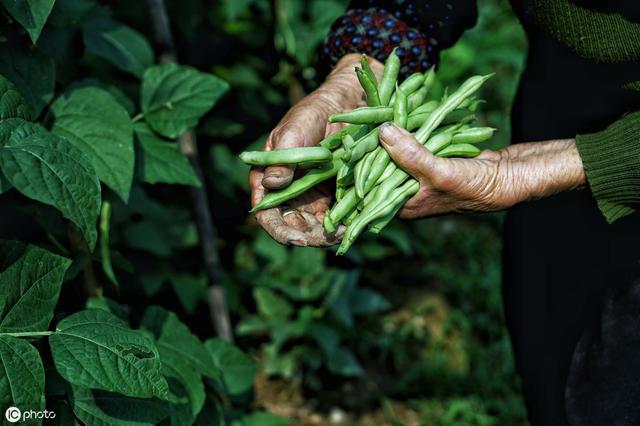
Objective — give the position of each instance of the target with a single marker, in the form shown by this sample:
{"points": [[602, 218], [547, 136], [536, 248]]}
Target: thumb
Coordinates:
{"points": [[405, 150]]}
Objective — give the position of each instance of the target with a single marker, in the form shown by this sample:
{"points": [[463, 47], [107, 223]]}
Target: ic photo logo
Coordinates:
{"points": [[14, 415]]}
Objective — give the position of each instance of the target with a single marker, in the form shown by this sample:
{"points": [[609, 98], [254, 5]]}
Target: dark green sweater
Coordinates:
{"points": [[595, 60], [607, 38]]}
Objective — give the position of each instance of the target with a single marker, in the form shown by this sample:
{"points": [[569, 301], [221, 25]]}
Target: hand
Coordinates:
{"points": [[299, 221], [495, 180]]}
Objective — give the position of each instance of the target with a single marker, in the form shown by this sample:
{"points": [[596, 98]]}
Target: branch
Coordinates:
{"points": [[206, 230]]}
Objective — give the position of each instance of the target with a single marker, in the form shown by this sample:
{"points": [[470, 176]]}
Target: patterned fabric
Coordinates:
{"points": [[419, 28]]}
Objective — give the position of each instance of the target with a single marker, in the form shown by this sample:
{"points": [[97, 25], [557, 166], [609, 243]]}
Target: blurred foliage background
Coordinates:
{"points": [[405, 330]]}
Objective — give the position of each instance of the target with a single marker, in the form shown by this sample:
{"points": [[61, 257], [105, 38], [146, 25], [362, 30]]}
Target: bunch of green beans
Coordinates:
{"points": [[370, 188]]}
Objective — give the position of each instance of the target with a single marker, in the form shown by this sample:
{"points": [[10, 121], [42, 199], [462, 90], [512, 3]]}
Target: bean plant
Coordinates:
{"points": [[88, 127]]}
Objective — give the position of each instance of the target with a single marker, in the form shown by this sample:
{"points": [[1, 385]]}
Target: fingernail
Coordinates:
{"points": [[273, 175], [389, 134]]}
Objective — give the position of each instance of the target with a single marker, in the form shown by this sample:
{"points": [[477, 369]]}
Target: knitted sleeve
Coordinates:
{"points": [[419, 28], [611, 161]]}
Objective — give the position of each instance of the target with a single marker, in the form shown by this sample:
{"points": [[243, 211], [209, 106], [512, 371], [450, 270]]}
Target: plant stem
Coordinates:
{"points": [[218, 309], [137, 117], [29, 334], [79, 247]]}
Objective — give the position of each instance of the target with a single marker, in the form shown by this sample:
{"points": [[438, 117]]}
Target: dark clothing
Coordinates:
{"points": [[561, 259]]}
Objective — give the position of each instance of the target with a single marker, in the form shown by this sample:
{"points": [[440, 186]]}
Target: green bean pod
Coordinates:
{"points": [[380, 223], [334, 140], [414, 121], [342, 208], [364, 145], [429, 106], [438, 142], [308, 155], [412, 83], [452, 101], [345, 175], [389, 77], [460, 150], [473, 135], [378, 166], [400, 112], [364, 115], [399, 197], [369, 87], [299, 186], [348, 220], [362, 172], [367, 68]]}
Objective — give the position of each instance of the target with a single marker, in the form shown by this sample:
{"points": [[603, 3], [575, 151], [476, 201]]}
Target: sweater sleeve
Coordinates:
{"points": [[419, 28], [611, 161]]}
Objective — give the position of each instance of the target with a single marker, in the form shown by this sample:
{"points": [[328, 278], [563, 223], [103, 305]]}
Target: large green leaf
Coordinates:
{"points": [[238, 370], [185, 383], [32, 72], [31, 14], [92, 120], [96, 349], [12, 104], [21, 376], [124, 47], [47, 168], [175, 340], [174, 97], [4, 184], [184, 359], [161, 161], [100, 408], [30, 280]]}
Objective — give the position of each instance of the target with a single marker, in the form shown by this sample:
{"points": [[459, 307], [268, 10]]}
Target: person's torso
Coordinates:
{"points": [[583, 67]]}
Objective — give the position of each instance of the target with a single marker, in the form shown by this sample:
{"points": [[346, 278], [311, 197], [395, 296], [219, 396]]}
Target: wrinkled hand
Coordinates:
{"points": [[299, 221], [492, 181]]}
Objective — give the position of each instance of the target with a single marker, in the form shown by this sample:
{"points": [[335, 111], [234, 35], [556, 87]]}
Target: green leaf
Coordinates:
{"points": [[190, 289], [238, 370], [184, 383], [21, 376], [47, 168], [158, 228], [109, 305], [344, 363], [32, 72], [115, 91], [31, 14], [365, 301], [175, 340], [92, 120], [183, 358], [5, 185], [161, 161], [30, 280], [326, 337], [119, 44], [174, 97], [12, 104], [100, 408], [96, 349], [212, 414], [270, 304]]}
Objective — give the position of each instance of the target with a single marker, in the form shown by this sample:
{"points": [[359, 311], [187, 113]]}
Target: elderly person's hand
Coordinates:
{"points": [[299, 221], [495, 180]]}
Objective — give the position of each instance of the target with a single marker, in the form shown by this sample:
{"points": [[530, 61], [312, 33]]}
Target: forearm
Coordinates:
{"points": [[530, 171]]}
